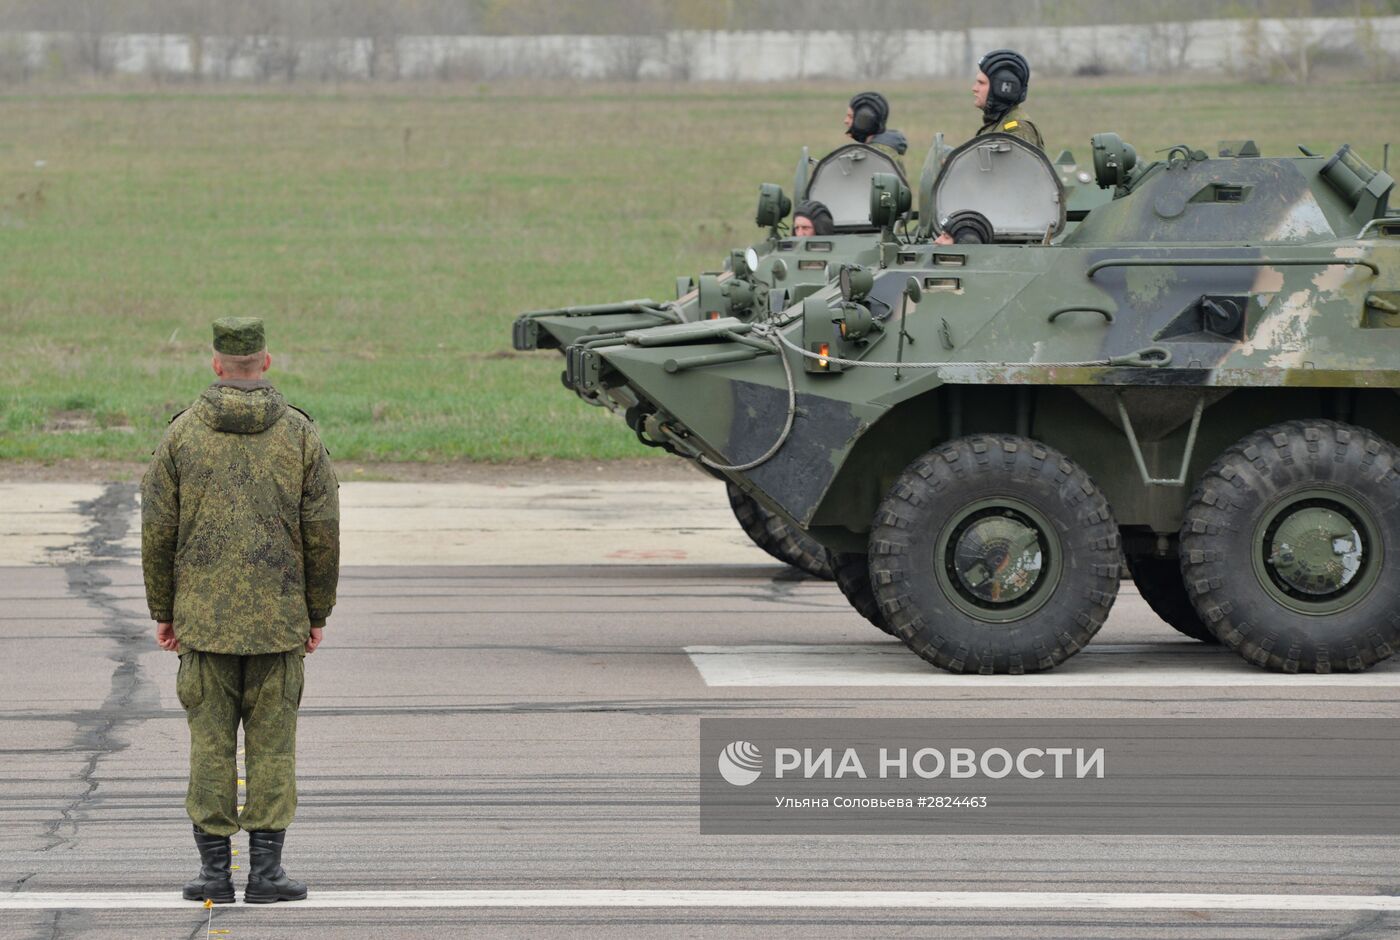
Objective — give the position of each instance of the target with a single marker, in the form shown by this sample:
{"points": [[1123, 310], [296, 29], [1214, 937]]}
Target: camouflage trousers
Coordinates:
{"points": [[218, 691]]}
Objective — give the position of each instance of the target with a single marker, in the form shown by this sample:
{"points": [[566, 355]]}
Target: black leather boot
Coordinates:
{"points": [[267, 880], [215, 880]]}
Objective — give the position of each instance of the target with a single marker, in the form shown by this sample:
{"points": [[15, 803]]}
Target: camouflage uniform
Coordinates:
{"points": [[218, 691], [1017, 124], [240, 549], [893, 145]]}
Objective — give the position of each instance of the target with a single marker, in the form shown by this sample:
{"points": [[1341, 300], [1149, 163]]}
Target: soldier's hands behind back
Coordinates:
{"points": [[165, 637], [314, 640]]}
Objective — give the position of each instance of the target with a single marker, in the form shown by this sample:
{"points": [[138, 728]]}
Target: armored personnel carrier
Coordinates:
{"points": [[1199, 378]]}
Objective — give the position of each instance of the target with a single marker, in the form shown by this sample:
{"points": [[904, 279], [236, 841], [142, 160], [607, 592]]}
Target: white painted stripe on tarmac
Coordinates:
{"points": [[1155, 665], [983, 900]]}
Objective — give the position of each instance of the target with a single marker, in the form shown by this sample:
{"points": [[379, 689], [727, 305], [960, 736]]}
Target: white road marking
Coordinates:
{"points": [[889, 663], [983, 900]]}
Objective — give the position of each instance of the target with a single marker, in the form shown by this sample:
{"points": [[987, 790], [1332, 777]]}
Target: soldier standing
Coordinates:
{"points": [[1003, 76], [240, 546]]}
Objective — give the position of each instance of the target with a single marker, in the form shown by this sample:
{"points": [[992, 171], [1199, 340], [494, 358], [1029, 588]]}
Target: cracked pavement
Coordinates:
{"points": [[478, 722]]}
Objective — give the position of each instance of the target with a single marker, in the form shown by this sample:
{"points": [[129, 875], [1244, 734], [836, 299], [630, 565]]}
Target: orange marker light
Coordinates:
{"points": [[823, 350]]}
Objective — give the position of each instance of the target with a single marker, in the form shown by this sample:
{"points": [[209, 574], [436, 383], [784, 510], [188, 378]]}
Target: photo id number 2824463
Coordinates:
{"points": [[952, 802]]}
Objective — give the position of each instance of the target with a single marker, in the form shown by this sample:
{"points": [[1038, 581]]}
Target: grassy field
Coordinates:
{"points": [[390, 237]]}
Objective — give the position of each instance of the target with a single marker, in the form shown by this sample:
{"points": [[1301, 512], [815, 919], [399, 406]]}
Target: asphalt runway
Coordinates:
{"points": [[511, 750]]}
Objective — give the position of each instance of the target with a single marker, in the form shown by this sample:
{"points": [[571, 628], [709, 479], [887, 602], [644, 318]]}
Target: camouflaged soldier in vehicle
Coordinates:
{"points": [[866, 117], [240, 539], [1003, 77], [812, 218]]}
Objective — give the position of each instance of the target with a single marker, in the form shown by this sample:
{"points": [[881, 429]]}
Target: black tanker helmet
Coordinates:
{"points": [[869, 112], [1009, 76], [818, 214]]}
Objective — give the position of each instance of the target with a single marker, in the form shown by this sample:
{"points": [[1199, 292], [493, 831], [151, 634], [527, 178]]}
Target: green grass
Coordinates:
{"points": [[389, 238]]}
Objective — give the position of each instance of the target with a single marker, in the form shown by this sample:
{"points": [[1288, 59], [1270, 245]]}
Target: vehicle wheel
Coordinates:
{"points": [[1160, 583], [995, 554], [1290, 543], [852, 573], [771, 533]]}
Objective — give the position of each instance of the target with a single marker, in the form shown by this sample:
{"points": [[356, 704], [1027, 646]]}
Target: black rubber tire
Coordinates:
{"points": [[1238, 492], [1159, 582], [775, 536], [932, 492], [852, 573]]}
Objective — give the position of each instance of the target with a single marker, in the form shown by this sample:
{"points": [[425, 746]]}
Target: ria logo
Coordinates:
{"points": [[740, 763]]}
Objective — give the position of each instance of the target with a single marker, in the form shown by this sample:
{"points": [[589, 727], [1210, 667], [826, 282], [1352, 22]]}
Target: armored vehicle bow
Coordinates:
{"points": [[755, 282]]}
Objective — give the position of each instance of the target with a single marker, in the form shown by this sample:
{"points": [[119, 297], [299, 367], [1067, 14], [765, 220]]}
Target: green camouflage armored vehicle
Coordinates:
{"points": [[1199, 378]]}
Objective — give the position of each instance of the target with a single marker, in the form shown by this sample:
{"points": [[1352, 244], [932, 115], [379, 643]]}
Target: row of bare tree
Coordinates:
{"points": [[354, 18], [331, 40]]}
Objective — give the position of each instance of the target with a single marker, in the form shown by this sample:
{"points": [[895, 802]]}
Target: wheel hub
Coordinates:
{"points": [[998, 560], [1317, 552]]}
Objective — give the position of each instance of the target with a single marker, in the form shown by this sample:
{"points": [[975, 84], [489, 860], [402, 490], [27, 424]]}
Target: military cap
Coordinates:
{"points": [[239, 336]]}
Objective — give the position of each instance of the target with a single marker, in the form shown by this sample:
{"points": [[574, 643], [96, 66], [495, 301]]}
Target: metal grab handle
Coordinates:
{"points": [[1055, 315], [644, 305], [1383, 220], [673, 366], [602, 339], [1229, 263]]}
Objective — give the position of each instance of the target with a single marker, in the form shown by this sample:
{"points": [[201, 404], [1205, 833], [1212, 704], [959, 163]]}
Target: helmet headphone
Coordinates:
{"points": [[869, 111], [864, 123], [1006, 85]]}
